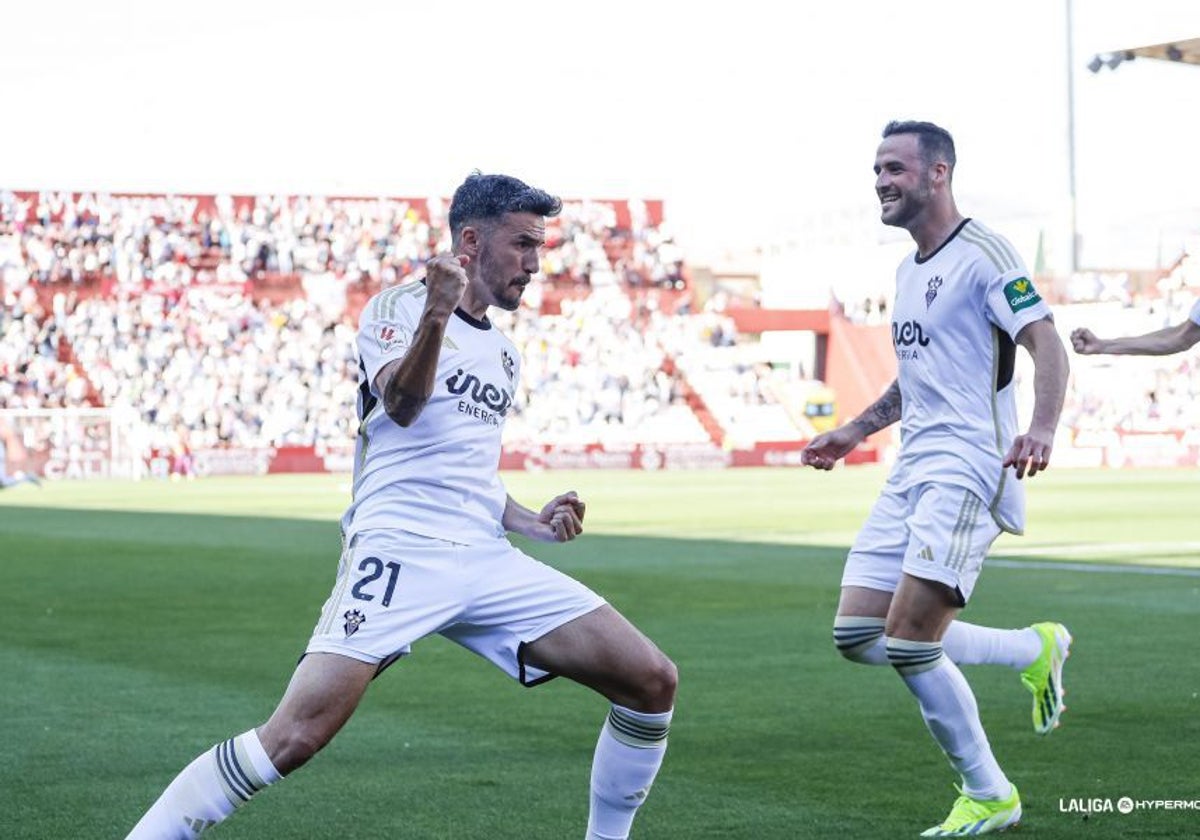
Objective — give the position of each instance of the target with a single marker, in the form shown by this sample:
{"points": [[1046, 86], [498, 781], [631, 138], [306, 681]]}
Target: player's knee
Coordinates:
{"points": [[662, 683], [657, 682], [857, 638], [291, 745]]}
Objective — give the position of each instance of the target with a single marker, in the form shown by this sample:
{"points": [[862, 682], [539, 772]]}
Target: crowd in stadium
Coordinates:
{"points": [[173, 241], [153, 310]]}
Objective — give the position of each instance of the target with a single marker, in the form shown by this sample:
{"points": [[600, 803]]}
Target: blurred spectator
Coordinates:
{"points": [[164, 314]]}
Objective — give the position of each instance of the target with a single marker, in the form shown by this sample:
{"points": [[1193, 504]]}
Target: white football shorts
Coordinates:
{"points": [[936, 532], [394, 588]]}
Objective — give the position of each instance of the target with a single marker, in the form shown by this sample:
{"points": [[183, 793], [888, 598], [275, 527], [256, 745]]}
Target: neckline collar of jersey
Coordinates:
{"points": [[920, 260], [478, 324]]}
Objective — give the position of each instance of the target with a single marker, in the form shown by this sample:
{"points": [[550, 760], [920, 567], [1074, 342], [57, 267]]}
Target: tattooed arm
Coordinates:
{"points": [[880, 414], [826, 449]]}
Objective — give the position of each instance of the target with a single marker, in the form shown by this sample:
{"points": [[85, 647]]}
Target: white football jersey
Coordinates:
{"points": [[1194, 315], [956, 315], [438, 477]]}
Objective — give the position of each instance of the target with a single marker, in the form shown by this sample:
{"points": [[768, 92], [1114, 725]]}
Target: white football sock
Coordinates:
{"points": [[860, 639], [208, 790], [970, 644], [628, 754], [951, 714]]}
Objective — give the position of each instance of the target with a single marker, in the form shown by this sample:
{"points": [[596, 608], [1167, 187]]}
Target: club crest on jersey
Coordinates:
{"points": [[935, 283], [354, 620], [1020, 294], [508, 363], [391, 336]]}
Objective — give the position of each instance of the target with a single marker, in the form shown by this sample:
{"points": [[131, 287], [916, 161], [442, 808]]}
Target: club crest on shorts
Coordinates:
{"points": [[935, 283], [354, 620]]}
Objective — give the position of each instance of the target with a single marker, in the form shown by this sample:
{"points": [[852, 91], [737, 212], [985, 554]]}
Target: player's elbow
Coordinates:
{"points": [[1063, 360], [405, 410], [1186, 336]]}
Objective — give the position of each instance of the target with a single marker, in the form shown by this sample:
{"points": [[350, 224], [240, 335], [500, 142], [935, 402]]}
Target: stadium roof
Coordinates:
{"points": [[1186, 51]]}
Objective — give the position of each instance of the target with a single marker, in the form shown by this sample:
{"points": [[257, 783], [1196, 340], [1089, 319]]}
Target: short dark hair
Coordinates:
{"points": [[488, 197], [934, 142]]}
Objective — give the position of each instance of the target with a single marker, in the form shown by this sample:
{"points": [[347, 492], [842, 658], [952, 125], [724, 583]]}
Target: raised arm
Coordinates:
{"points": [[1030, 452], [1164, 342], [407, 383], [826, 449]]}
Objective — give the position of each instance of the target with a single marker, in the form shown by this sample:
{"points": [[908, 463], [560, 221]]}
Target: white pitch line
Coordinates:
{"points": [[1103, 568], [1155, 549]]}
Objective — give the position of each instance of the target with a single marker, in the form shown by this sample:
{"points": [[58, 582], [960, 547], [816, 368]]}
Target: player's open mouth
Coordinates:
{"points": [[890, 198]]}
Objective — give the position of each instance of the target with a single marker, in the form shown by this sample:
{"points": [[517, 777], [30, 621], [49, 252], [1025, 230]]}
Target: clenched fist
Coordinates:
{"points": [[445, 281]]}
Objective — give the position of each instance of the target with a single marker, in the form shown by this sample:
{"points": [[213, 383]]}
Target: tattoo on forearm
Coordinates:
{"points": [[882, 413]]}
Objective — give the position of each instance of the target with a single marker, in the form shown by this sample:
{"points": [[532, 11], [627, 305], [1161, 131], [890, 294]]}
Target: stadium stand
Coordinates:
{"points": [[226, 322]]}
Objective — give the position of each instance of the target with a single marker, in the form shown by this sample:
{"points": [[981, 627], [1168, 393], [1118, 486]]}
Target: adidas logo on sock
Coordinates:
{"points": [[198, 825]]}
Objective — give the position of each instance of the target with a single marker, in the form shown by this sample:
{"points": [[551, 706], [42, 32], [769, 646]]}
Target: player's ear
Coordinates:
{"points": [[469, 241], [941, 173]]}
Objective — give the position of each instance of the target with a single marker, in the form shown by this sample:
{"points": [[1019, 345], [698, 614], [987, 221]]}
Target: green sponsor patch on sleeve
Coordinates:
{"points": [[1020, 294]]}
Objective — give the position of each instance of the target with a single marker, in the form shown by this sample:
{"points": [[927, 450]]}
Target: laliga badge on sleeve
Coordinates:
{"points": [[392, 337]]}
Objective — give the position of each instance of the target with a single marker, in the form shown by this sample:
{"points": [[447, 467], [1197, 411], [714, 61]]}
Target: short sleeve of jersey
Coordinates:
{"points": [[1194, 315], [1013, 302], [386, 327]]}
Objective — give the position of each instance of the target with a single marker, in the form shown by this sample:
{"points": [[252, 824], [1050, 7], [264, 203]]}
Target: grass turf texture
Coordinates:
{"points": [[141, 623]]}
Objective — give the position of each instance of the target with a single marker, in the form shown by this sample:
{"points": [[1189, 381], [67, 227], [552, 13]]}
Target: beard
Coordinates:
{"points": [[508, 298], [903, 211], [504, 289]]}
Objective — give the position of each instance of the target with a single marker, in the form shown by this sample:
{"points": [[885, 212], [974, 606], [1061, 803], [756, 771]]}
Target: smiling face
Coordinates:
{"points": [[507, 256], [903, 180]]}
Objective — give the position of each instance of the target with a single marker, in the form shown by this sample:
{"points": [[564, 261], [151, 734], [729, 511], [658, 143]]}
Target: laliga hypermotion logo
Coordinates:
{"points": [[935, 283], [508, 363]]}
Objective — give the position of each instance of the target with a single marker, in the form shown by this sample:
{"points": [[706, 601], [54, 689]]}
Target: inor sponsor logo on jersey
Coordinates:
{"points": [[907, 333], [484, 394], [1020, 294]]}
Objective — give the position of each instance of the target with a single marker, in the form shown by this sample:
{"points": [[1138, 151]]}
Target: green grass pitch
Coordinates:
{"points": [[141, 623]]}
